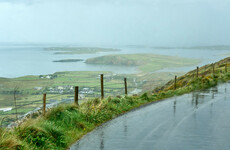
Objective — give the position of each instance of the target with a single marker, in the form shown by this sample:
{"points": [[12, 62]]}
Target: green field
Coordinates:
{"points": [[79, 50], [144, 62]]}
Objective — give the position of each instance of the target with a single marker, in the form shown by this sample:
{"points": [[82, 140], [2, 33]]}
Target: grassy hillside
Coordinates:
{"points": [[65, 124], [144, 62], [206, 73]]}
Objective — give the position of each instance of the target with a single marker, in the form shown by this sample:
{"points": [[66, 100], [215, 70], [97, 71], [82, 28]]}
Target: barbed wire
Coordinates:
{"points": [[19, 106], [111, 88], [55, 96], [158, 80], [35, 101], [106, 84]]}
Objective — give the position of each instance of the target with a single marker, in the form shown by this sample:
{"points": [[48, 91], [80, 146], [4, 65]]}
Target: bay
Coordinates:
{"points": [[21, 60]]}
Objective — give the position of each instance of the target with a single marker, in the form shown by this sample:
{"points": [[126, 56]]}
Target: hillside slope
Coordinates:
{"points": [[206, 73]]}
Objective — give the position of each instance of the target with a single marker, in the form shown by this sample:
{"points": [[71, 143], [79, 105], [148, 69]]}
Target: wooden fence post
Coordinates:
{"points": [[126, 91], [175, 82], [213, 69], [44, 104], [76, 95], [197, 71], [102, 86]]}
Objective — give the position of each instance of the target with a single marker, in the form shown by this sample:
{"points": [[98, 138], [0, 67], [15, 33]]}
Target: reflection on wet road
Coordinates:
{"points": [[200, 120]]}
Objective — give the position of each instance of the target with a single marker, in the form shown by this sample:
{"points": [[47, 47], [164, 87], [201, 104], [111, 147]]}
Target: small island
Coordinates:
{"points": [[79, 50], [144, 62], [68, 60]]}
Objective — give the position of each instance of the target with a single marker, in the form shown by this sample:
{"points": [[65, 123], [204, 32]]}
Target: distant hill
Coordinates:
{"points": [[212, 47]]}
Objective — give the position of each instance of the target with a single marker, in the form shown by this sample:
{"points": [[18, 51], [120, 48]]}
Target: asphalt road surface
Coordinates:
{"points": [[200, 120]]}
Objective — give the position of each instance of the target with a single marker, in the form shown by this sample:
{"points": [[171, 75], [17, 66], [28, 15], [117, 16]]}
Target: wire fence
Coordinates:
{"points": [[23, 102], [19, 103]]}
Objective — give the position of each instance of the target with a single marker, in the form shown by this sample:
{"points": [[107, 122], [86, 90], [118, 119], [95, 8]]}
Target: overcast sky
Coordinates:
{"points": [[122, 22]]}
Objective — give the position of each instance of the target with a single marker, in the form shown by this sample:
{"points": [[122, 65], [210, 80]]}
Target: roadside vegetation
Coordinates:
{"points": [[63, 125]]}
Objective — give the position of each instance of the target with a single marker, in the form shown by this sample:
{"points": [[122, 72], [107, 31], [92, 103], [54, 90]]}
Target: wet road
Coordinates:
{"points": [[200, 120]]}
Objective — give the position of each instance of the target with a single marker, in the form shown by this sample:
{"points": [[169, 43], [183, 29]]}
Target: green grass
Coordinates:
{"points": [[63, 125], [144, 62]]}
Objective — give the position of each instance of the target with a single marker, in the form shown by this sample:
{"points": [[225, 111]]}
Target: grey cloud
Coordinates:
{"points": [[150, 22]]}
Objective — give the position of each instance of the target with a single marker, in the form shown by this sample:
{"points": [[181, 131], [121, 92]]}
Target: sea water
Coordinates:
{"points": [[21, 60]]}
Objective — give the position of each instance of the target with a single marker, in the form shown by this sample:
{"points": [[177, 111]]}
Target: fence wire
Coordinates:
{"points": [[32, 99]]}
